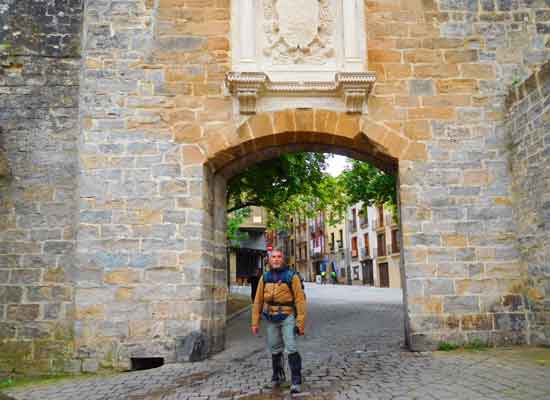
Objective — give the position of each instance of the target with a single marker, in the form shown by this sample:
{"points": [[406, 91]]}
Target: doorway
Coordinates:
{"points": [[384, 274]]}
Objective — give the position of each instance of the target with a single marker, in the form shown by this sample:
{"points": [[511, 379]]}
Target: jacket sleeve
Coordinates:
{"points": [[299, 302], [258, 303]]}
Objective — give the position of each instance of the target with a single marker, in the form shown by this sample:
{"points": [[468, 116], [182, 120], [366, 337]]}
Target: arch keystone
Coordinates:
{"points": [[284, 121], [304, 120]]}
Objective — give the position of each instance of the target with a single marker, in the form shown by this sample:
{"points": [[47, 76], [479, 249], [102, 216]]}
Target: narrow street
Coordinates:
{"points": [[353, 349]]}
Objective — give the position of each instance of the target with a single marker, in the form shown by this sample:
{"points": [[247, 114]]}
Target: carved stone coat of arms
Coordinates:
{"points": [[298, 21]]}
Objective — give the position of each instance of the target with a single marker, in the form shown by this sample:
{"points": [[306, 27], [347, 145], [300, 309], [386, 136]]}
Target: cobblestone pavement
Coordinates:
{"points": [[352, 350]]}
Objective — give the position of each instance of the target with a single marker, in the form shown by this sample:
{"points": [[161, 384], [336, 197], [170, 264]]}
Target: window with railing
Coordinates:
{"points": [[381, 245], [367, 244], [341, 240], [395, 245], [354, 252]]}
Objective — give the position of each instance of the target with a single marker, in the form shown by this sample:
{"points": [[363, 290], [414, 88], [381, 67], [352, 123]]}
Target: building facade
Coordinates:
{"points": [[374, 242], [338, 250]]}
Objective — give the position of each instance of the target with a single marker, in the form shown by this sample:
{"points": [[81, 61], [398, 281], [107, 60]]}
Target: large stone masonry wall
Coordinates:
{"points": [[528, 127], [148, 264], [443, 69], [151, 85], [39, 65]]}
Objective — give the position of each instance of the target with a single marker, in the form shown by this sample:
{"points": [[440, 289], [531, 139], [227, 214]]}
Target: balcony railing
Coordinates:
{"points": [[316, 250], [365, 253]]}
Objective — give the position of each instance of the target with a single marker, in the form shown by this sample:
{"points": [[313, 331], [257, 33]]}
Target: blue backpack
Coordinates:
{"points": [[287, 278]]}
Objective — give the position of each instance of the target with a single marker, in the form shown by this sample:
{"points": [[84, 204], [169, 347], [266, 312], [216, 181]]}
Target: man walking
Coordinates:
{"points": [[281, 301]]}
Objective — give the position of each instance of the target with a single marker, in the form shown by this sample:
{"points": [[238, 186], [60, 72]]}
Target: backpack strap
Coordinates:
{"points": [[268, 277], [289, 275]]}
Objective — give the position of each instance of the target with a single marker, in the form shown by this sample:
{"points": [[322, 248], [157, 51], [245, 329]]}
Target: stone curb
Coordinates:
{"points": [[237, 313]]}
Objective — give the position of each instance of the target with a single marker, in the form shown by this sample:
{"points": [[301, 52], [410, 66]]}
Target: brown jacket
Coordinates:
{"points": [[280, 293]]}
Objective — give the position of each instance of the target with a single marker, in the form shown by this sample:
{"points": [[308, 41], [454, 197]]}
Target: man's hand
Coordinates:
{"points": [[300, 331], [255, 330]]}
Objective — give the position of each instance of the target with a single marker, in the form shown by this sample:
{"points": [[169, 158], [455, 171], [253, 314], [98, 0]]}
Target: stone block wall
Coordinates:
{"points": [[443, 72], [528, 128], [151, 86], [39, 80]]}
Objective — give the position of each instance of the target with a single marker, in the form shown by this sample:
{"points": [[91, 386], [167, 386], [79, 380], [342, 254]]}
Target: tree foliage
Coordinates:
{"points": [[295, 184], [363, 182], [273, 182], [234, 221]]}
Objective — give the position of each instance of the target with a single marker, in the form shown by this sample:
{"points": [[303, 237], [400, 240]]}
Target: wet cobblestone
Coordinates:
{"points": [[353, 349]]}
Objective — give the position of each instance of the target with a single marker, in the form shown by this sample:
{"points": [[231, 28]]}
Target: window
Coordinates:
{"points": [[354, 219], [332, 240], [395, 247], [380, 215], [292, 248], [341, 240], [363, 220], [381, 245], [354, 247], [366, 239]]}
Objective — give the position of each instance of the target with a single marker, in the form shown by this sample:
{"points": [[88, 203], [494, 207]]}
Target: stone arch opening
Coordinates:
{"points": [[269, 135]]}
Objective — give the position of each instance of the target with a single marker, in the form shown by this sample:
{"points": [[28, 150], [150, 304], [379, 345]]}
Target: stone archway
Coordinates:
{"points": [[268, 135], [319, 126]]}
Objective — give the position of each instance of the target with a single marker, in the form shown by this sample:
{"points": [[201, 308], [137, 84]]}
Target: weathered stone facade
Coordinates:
{"points": [[112, 230], [39, 67], [528, 128]]}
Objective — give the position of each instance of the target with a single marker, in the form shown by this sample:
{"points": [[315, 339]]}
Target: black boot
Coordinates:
{"points": [[295, 362], [278, 370]]}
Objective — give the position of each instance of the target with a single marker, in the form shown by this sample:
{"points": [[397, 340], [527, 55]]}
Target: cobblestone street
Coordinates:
{"points": [[353, 349]]}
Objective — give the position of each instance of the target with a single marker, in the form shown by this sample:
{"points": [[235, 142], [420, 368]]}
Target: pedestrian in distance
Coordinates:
{"points": [[281, 301], [254, 279], [334, 277]]}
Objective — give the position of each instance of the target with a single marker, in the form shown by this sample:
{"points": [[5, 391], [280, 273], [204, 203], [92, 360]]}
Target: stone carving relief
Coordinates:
{"points": [[299, 31]]}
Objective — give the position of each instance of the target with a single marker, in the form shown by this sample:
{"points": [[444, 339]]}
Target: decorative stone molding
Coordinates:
{"points": [[299, 31], [248, 87]]}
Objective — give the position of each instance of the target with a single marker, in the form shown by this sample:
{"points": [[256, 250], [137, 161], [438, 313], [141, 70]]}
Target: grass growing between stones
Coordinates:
{"points": [[447, 346], [539, 356], [17, 382], [13, 383], [474, 345]]}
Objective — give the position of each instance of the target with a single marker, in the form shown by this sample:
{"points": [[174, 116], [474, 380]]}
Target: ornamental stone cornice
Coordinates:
{"points": [[248, 87]]}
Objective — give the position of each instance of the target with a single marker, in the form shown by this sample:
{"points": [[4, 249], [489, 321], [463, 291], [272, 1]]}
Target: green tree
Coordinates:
{"points": [[234, 221], [272, 183], [329, 196], [363, 182]]}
